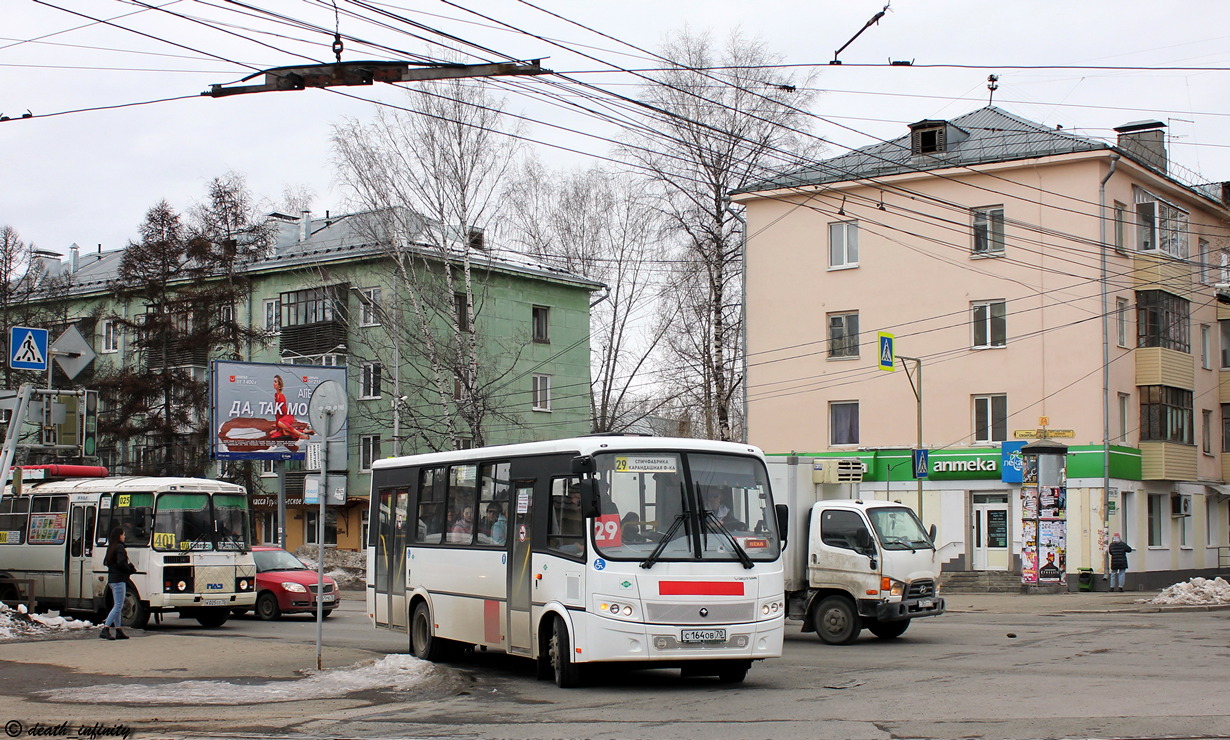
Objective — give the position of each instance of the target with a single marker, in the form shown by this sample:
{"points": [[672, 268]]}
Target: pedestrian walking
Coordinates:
{"points": [[1118, 561], [118, 570]]}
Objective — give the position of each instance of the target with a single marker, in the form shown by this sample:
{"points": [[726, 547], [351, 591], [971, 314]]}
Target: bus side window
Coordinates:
{"points": [[429, 525], [14, 519], [462, 500], [492, 512], [565, 526]]}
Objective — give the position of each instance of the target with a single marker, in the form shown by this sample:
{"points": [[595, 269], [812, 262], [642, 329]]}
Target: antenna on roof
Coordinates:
{"points": [[992, 85]]}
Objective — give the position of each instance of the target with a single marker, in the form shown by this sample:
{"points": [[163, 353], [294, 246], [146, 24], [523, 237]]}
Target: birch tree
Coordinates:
{"points": [[719, 126], [431, 178]]}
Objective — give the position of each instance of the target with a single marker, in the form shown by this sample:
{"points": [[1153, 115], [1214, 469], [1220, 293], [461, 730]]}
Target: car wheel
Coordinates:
{"points": [[567, 674], [267, 607], [888, 630], [836, 620]]}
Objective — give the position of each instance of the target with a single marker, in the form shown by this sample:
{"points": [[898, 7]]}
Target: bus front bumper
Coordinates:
{"points": [[605, 639], [187, 601]]}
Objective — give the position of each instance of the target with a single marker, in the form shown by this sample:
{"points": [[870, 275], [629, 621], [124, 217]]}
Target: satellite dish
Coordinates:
{"points": [[326, 397]]}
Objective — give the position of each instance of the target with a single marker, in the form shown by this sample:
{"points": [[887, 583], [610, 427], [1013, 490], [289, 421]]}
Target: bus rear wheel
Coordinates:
{"points": [[135, 613], [423, 641]]}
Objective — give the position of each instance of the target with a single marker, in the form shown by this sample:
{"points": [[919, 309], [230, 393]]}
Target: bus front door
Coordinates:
{"points": [[520, 577], [79, 588]]}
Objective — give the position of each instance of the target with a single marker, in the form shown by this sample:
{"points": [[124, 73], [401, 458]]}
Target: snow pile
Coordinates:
{"points": [[393, 673], [1197, 591], [348, 568], [17, 622]]}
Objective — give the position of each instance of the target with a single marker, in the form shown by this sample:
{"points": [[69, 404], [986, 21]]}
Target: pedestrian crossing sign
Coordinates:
{"points": [[920, 462], [888, 355], [27, 348]]}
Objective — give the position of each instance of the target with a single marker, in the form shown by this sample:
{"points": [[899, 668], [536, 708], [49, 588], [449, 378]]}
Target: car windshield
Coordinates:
{"points": [[684, 506], [269, 560], [898, 528]]}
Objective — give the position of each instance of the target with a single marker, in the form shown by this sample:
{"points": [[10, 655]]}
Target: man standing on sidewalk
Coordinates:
{"points": [[1118, 561]]}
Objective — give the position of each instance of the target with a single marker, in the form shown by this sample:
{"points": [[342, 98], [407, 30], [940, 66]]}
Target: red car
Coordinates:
{"points": [[284, 585]]}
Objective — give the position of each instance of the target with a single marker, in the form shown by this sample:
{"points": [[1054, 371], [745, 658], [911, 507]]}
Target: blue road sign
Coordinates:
{"points": [[27, 348], [888, 354], [921, 468]]}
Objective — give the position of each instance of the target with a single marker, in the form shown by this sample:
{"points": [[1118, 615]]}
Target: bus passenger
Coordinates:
{"points": [[496, 523], [465, 522]]}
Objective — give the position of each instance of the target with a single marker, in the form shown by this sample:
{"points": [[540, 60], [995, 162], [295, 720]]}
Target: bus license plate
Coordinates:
{"points": [[215, 602], [702, 636], [925, 603]]}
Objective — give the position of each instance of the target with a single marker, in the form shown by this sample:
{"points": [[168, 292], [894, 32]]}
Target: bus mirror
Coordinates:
{"points": [[589, 494], [582, 464], [783, 521]]}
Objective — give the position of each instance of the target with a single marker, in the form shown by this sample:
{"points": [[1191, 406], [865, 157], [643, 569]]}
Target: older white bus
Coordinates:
{"points": [[651, 552], [187, 537]]}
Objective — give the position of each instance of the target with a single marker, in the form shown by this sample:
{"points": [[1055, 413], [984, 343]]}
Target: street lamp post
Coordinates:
{"points": [[917, 388]]}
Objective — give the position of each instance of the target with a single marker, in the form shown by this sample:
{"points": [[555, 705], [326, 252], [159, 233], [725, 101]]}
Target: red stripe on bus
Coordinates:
{"points": [[700, 588], [491, 621]]}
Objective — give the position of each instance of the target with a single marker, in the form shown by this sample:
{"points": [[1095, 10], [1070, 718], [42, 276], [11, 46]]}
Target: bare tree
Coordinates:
{"points": [[605, 227], [431, 178], [21, 274], [719, 127]]}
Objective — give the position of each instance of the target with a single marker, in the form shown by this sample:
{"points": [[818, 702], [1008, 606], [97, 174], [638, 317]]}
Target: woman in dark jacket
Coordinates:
{"points": [[118, 570], [1118, 561]]}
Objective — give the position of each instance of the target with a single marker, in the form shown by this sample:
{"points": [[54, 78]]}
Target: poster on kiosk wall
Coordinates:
{"points": [[260, 410]]}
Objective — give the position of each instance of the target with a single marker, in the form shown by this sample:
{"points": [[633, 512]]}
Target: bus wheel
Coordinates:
{"points": [[134, 613], [733, 671], [888, 630], [212, 617], [423, 642], [567, 673], [836, 620]]}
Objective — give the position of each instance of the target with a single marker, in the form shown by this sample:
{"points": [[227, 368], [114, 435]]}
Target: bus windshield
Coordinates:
{"points": [[899, 528], [186, 522], [684, 506]]}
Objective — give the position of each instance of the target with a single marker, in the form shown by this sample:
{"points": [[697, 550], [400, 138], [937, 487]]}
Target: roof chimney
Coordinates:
{"points": [[74, 254], [1144, 141], [305, 225]]}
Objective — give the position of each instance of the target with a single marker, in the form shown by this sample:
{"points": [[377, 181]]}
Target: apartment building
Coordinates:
{"points": [[1035, 280]]}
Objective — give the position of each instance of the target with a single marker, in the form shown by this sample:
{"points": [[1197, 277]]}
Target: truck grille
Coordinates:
{"points": [[921, 589]]}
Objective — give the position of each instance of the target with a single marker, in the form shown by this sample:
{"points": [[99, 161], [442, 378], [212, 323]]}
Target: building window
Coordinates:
{"points": [[1206, 347], [989, 323], [1121, 319], [476, 238], [461, 306], [273, 315], [927, 140], [1225, 427], [1223, 266], [1120, 227], [1160, 226], [843, 334], [1206, 431], [1205, 268], [369, 384], [1224, 330], [542, 393], [1158, 516], [1165, 414], [1124, 407], [369, 307], [843, 244], [988, 230], [310, 306], [110, 336], [310, 519], [540, 317], [843, 423], [1163, 320], [268, 468], [990, 419], [369, 450]]}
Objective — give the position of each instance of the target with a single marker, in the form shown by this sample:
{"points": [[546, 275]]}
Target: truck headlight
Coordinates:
{"points": [[892, 587]]}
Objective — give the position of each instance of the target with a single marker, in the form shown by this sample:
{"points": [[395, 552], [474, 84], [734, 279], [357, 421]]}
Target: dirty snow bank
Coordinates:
{"points": [[16, 623], [391, 673], [346, 567], [1197, 591]]}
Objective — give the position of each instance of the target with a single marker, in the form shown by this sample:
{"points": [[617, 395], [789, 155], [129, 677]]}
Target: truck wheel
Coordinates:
{"points": [[837, 622], [888, 630]]}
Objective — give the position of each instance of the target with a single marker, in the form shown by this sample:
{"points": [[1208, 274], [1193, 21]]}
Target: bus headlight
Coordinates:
{"points": [[182, 586], [616, 609], [770, 608], [295, 588]]}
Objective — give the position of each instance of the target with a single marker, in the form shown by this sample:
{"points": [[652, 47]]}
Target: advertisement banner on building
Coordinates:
{"points": [[261, 410]]}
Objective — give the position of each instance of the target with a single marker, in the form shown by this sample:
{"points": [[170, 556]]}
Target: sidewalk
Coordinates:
{"points": [[1079, 602]]}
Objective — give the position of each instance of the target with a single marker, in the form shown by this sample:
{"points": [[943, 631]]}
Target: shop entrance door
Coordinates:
{"points": [[990, 531]]}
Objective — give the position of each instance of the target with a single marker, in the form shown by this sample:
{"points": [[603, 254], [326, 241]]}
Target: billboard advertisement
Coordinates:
{"points": [[265, 411]]}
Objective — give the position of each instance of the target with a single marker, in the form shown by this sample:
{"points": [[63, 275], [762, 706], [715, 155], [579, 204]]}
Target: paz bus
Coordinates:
{"points": [[648, 552], [187, 537]]}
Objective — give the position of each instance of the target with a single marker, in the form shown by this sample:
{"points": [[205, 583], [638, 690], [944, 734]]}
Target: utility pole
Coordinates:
{"points": [[917, 388]]}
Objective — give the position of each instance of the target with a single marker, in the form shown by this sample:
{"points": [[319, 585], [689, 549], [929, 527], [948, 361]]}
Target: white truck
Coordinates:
{"points": [[851, 563]]}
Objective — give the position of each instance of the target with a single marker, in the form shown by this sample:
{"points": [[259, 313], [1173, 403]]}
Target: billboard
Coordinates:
{"points": [[263, 411]]}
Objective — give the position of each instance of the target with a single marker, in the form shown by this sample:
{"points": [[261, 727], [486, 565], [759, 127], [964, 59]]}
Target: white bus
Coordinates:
{"points": [[651, 552], [187, 537]]}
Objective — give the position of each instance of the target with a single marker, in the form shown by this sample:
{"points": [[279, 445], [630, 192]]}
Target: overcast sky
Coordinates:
{"points": [[89, 177]]}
